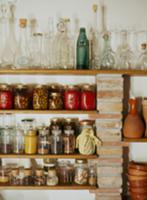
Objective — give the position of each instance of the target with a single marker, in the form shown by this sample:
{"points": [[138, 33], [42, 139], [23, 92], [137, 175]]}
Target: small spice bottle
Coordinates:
{"points": [[81, 172], [15, 177], [43, 141], [28, 178], [31, 142], [39, 178], [92, 179], [52, 178], [69, 141]]}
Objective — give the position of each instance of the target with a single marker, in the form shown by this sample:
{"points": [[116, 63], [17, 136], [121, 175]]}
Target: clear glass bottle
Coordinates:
{"points": [[92, 178], [56, 142], [82, 52], [22, 58], [43, 141], [142, 60], [81, 172], [107, 55], [6, 141], [69, 141], [15, 177], [39, 178], [52, 178], [18, 140]]}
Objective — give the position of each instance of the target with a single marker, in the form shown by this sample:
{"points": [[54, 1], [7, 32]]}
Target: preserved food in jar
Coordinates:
{"points": [[39, 178], [40, 98], [28, 178], [92, 179], [6, 97], [72, 98], [4, 176], [69, 141], [21, 97], [31, 142], [88, 97], [43, 141], [15, 177], [6, 140], [55, 124], [56, 142], [55, 101], [52, 178], [81, 172]]}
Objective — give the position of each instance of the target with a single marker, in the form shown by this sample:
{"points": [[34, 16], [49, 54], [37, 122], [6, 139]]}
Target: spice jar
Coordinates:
{"points": [[65, 171], [6, 141], [56, 142], [55, 101], [18, 140], [6, 97], [55, 124], [21, 97], [92, 179], [52, 178], [81, 172], [72, 98], [15, 177], [39, 178], [88, 97], [28, 178], [31, 142], [69, 141], [48, 163], [43, 141], [40, 98], [4, 176]]}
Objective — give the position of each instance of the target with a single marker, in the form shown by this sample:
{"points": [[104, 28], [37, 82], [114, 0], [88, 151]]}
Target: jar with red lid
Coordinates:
{"points": [[6, 97], [72, 98], [88, 97]]}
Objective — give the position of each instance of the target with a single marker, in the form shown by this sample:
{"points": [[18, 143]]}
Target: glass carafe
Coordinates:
{"points": [[107, 56], [124, 55]]}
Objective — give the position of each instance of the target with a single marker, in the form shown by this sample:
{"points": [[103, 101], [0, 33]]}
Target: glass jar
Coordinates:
{"points": [[70, 124], [28, 124], [21, 97], [65, 171], [92, 179], [72, 98], [6, 97], [6, 141], [40, 98], [88, 97], [55, 101], [48, 163], [4, 176], [43, 141], [55, 124], [84, 124], [56, 142], [81, 172], [69, 141], [18, 141], [15, 177], [28, 178], [31, 142], [52, 178], [39, 178]]}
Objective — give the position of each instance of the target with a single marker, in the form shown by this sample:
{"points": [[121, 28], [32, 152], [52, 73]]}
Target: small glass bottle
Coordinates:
{"points": [[43, 141], [142, 60], [92, 179], [82, 53], [18, 140], [4, 176], [6, 141], [6, 97], [52, 178], [56, 142], [22, 58], [15, 177], [39, 178], [28, 178], [31, 142], [69, 142]]}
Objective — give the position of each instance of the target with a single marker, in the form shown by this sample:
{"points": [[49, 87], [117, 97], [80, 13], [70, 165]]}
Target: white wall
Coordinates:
{"points": [[120, 13]]}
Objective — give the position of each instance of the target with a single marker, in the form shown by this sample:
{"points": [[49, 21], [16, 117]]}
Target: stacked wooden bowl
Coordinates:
{"points": [[137, 179]]}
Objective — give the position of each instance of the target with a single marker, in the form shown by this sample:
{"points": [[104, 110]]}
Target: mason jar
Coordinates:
{"points": [[6, 141], [81, 172], [31, 142]]}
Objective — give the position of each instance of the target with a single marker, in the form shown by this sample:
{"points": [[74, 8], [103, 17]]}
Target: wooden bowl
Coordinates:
{"points": [[136, 172], [137, 178], [138, 183], [138, 166], [139, 191]]}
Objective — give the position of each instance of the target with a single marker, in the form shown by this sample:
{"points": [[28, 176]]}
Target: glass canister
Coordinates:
{"points": [[40, 98], [81, 172], [43, 141], [18, 140], [6, 141], [52, 178], [65, 171], [4, 176], [31, 142], [6, 97], [88, 97], [69, 141], [72, 98], [27, 124], [15, 177], [28, 178], [55, 101], [92, 179], [39, 178], [21, 97], [48, 163], [55, 124], [56, 142]]}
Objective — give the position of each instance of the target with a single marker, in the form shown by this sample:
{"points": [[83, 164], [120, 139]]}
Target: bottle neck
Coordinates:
{"points": [[133, 106]]}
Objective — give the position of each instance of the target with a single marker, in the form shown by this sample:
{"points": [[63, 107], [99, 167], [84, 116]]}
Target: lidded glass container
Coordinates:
{"points": [[56, 142], [6, 140], [31, 142], [6, 97], [28, 178], [142, 61], [18, 140], [55, 101], [15, 177], [27, 124], [21, 97], [69, 141], [43, 141], [72, 98], [52, 178], [4, 176], [40, 98], [92, 179], [81, 172], [39, 178]]}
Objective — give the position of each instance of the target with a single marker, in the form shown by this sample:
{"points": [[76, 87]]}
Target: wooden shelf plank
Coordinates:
{"points": [[135, 140], [70, 156], [70, 187]]}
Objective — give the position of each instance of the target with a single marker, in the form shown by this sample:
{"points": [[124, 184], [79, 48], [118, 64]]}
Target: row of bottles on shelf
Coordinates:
{"points": [[64, 50], [63, 136], [51, 173]]}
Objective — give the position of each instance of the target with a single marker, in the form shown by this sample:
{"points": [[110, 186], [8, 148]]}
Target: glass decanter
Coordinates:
{"points": [[124, 55], [10, 47], [142, 60], [63, 46], [107, 55], [23, 58]]}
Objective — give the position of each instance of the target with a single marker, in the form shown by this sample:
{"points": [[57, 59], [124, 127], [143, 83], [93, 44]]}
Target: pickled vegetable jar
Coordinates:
{"points": [[69, 141], [55, 101], [6, 97], [31, 142]]}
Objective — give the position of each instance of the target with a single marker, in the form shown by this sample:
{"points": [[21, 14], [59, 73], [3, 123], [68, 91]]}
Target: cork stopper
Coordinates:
{"points": [[51, 172], [39, 172], [22, 22], [94, 8], [143, 46], [27, 172]]}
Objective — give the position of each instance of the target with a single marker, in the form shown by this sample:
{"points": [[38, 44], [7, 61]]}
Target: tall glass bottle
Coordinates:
{"points": [[82, 50], [23, 59], [10, 47], [142, 60]]}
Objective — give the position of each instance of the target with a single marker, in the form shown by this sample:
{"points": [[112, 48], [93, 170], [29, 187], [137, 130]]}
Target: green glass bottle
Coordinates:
{"points": [[82, 52]]}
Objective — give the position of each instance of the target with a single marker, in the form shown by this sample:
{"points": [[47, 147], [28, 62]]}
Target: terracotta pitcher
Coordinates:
{"points": [[144, 106], [133, 124]]}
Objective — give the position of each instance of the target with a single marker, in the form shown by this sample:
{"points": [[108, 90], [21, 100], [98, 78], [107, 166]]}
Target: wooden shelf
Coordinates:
{"points": [[72, 72], [70, 187], [135, 140], [70, 156]]}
